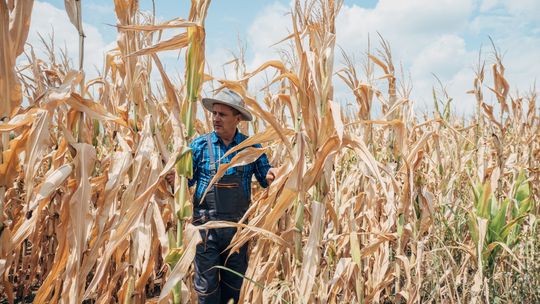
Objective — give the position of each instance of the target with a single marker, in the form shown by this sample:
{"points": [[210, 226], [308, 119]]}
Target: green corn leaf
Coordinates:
{"points": [[522, 192], [525, 206], [477, 192], [496, 225], [473, 227], [507, 229], [184, 163], [174, 256], [521, 187], [185, 211], [484, 204]]}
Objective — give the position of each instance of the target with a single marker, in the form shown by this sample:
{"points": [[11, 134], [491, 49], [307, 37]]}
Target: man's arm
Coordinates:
{"points": [[264, 172]]}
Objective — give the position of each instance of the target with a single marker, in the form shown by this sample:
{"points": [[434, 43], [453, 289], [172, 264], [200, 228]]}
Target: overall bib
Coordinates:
{"points": [[226, 201]]}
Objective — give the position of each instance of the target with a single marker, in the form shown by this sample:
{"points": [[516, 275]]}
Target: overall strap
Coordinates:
{"points": [[211, 153]]}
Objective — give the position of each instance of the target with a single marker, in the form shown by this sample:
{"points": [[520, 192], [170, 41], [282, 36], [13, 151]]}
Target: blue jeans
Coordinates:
{"points": [[214, 285]]}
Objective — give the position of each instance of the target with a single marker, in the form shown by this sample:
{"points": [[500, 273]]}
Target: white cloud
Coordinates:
{"points": [[427, 37], [492, 24], [216, 59], [48, 19], [422, 15], [524, 8], [424, 36], [443, 38], [444, 56], [448, 59], [270, 26], [487, 5], [411, 25]]}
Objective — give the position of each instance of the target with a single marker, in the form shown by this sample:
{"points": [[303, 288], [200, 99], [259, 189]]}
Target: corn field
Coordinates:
{"points": [[369, 206]]}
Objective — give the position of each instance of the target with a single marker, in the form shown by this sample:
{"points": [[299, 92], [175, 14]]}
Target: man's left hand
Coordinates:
{"points": [[271, 175]]}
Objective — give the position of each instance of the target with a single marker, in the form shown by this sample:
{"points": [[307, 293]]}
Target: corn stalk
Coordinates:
{"points": [[378, 208], [74, 11]]}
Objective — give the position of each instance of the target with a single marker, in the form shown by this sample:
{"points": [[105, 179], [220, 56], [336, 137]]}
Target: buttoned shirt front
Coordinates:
{"points": [[201, 163]]}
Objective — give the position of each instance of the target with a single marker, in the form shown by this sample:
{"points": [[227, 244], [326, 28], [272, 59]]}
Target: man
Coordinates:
{"points": [[228, 199]]}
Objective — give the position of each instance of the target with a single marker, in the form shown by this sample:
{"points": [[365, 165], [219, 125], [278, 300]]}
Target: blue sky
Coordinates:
{"points": [[427, 37]]}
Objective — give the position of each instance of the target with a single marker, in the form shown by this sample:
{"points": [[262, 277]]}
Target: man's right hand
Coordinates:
{"points": [[170, 177], [271, 175]]}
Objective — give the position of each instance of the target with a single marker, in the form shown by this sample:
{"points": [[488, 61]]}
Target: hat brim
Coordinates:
{"points": [[208, 104]]}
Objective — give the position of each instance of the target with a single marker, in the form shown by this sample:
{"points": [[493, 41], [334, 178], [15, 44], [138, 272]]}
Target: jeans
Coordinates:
{"points": [[215, 285]]}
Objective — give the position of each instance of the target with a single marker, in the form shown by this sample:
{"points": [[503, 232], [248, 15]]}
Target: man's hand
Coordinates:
{"points": [[170, 177], [271, 175]]}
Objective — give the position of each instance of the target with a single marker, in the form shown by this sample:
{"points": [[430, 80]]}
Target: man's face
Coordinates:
{"points": [[224, 120]]}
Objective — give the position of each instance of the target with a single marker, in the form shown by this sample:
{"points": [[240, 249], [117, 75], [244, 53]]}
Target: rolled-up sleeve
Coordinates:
{"points": [[261, 168]]}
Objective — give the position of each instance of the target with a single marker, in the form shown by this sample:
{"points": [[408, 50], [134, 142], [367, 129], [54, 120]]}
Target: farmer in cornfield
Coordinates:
{"points": [[226, 200]]}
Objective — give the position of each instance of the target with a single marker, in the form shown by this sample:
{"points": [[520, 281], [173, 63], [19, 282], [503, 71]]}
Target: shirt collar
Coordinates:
{"points": [[236, 139], [214, 137]]}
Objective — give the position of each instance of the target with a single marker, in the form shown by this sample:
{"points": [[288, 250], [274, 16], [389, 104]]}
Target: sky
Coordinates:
{"points": [[427, 38]]}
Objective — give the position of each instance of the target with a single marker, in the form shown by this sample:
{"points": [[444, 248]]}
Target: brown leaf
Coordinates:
{"points": [[37, 145], [174, 43], [18, 121], [134, 207], [14, 26], [73, 9], [10, 158], [80, 222], [52, 181], [180, 270], [175, 23], [311, 253], [93, 109], [244, 157], [269, 134]]}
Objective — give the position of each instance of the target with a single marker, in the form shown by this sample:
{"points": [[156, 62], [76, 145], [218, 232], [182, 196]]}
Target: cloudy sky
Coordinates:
{"points": [[441, 37]]}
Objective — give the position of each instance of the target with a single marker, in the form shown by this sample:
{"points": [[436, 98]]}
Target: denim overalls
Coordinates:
{"points": [[224, 201]]}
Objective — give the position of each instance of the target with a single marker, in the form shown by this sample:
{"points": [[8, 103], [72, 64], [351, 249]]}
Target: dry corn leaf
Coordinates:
{"points": [[193, 238], [73, 9], [268, 234], [93, 109], [38, 142], [311, 253], [18, 121], [136, 207], [271, 63], [242, 158], [80, 222], [125, 10], [266, 136], [174, 43], [51, 183], [175, 23], [14, 26], [10, 160]]}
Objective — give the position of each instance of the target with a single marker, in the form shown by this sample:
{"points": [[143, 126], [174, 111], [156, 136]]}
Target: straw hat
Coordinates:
{"points": [[231, 99]]}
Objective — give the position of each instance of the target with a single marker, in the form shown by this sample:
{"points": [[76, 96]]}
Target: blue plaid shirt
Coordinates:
{"points": [[201, 161]]}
